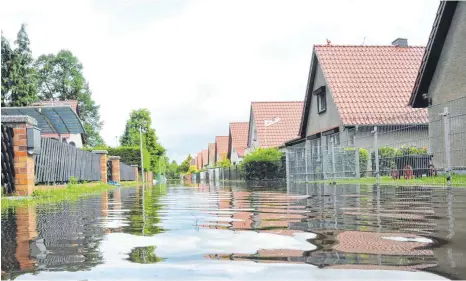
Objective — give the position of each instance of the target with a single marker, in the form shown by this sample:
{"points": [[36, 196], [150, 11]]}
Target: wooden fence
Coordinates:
{"points": [[127, 172], [8, 168], [58, 162]]}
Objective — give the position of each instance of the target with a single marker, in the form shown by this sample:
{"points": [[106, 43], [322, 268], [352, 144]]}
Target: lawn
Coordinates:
{"points": [[71, 192], [457, 180]]}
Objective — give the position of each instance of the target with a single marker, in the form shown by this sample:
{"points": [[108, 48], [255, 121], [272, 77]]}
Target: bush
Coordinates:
{"points": [[224, 163], [264, 164], [393, 158], [130, 155], [363, 158]]}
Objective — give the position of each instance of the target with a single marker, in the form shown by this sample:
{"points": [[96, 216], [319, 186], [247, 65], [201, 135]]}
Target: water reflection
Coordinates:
{"points": [[244, 233]]}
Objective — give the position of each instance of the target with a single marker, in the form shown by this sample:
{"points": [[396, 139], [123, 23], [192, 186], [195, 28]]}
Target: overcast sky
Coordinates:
{"points": [[197, 65]]}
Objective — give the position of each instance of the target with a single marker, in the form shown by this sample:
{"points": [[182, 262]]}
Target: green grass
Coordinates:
{"points": [[72, 192], [457, 180]]}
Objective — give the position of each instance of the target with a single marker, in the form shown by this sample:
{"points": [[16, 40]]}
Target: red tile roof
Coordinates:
{"points": [[199, 160], [239, 136], [221, 143], [288, 116], [211, 153], [205, 157], [372, 84]]}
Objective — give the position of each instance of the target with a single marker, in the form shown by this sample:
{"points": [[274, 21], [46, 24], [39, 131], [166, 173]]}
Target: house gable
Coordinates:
{"points": [[320, 121], [252, 132], [444, 59]]}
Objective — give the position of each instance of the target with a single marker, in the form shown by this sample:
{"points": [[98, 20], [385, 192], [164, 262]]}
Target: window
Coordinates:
{"points": [[321, 99], [72, 143]]}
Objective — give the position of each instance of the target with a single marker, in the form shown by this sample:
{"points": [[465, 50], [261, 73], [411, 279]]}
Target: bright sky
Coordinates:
{"points": [[197, 65]]}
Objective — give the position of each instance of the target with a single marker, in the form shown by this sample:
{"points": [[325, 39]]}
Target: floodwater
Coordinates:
{"points": [[235, 232]]}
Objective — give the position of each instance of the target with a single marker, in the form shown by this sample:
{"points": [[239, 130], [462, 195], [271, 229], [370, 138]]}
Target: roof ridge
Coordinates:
{"points": [[371, 46], [276, 101]]}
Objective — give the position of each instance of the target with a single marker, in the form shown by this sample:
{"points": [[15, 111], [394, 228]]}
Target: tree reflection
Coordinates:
{"points": [[144, 255], [144, 218]]}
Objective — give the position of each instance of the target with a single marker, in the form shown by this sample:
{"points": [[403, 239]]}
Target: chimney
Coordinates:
{"points": [[400, 42]]}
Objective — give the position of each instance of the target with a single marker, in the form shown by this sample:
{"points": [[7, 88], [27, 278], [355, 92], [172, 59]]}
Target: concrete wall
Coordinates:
{"points": [[328, 119]]}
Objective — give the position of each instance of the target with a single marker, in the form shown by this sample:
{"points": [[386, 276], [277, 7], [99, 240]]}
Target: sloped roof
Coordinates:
{"points": [[205, 157], [239, 135], [370, 84], [221, 143], [437, 37], [199, 160], [285, 117], [211, 153]]}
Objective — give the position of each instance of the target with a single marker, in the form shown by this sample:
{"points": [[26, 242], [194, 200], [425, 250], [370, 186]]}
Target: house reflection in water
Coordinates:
{"points": [[359, 227]]}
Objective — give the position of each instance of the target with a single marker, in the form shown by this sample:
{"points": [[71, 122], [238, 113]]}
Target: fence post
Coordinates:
{"points": [[376, 152], [287, 165], [332, 142], [24, 165], [115, 168], [103, 164], [356, 157], [307, 150], [446, 128]]}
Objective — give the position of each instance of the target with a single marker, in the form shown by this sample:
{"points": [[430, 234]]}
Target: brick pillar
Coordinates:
{"points": [[26, 230], [103, 164], [136, 172], [24, 162], [115, 168]]}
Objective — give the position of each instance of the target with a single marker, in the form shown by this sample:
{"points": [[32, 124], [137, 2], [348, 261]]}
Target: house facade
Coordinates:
{"points": [[353, 89], [441, 82], [237, 141], [271, 124]]}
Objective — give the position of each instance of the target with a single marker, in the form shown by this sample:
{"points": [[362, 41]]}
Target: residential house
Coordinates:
{"points": [[441, 82], [237, 141], [77, 140], [205, 158], [271, 124], [351, 89], [221, 148], [199, 161], [211, 155]]}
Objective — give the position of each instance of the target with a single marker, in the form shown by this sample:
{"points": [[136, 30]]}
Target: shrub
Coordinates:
{"points": [[224, 163], [363, 158], [263, 154], [264, 163]]}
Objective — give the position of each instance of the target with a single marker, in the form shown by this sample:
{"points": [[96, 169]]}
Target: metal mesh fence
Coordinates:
{"points": [[432, 146]]}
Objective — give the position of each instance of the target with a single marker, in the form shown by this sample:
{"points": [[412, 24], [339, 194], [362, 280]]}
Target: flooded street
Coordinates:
{"points": [[235, 232]]}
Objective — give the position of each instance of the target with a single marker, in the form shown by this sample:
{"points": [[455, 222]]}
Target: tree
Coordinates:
{"points": [[140, 118], [60, 77], [173, 170], [184, 166], [7, 60], [19, 79]]}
